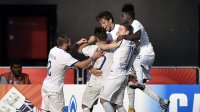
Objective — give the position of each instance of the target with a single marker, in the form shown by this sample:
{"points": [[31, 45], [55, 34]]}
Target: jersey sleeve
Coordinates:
{"points": [[137, 26], [89, 50], [69, 60]]}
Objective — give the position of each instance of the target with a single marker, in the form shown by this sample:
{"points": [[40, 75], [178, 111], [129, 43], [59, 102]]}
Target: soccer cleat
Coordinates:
{"points": [[136, 85], [164, 104], [131, 110]]}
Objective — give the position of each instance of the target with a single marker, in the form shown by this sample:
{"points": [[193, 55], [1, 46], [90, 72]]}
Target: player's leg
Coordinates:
{"points": [[51, 101], [57, 102], [131, 97], [91, 95], [107, 105], [138, 68], [45, 101], [130, 91], [146, 62], [118, 97], [110, 86], [146, 69], [164, 103]]}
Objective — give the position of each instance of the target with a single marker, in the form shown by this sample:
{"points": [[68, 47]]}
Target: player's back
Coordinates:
{"points": [[104, 63]]}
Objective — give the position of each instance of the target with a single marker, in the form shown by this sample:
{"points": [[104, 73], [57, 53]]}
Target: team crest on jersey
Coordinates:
{"points": [[72, 107]]}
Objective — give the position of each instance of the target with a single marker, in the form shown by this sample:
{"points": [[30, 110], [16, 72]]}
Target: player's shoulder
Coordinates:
{"points": [[117, 25], [136, 22]]}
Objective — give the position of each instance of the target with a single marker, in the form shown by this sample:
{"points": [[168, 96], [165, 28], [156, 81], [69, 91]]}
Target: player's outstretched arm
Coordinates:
{"points": [[86, 63], [109, 46]]}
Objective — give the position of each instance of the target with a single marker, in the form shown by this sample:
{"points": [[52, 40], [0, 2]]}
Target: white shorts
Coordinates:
{"points": [[52, 101], [92, 92], [145, 60], [113, 89]]}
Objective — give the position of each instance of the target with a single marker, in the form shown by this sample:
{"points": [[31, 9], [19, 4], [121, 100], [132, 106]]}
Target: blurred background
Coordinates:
{"points": [[28, 28]]}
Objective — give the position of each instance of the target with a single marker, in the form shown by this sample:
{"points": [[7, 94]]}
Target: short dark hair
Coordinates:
{"points": [[15, 62], [129, 9], [62, 39], [100, 33], [128, 28], [105, 15]]}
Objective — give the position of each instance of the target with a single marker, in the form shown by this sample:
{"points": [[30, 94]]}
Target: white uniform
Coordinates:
{"points": [[52, 88], [94, 85], [146, 56], [112, 35], [114, 85]]}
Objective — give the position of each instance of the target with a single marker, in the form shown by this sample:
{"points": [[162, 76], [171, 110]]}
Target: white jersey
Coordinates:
{"points": [[112, 35], [103, 63], [58, 60], [145, 44], [121, 59]]}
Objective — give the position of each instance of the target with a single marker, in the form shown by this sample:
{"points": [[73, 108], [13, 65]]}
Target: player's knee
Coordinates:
{"points": [[114, 106], [118, 106], [102, 100], [84, 106]]}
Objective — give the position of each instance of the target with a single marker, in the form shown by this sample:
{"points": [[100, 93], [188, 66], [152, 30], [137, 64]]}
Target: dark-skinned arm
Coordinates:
{"points": [[134, 37]]}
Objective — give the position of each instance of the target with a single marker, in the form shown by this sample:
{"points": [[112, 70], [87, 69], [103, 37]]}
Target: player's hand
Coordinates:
{"points": [[81, 41], [96, 72], [119, 38], [91, 39], [97, 55]]}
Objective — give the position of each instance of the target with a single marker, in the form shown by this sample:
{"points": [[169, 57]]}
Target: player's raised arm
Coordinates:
{"points": [[86, 63], [89, 42]]}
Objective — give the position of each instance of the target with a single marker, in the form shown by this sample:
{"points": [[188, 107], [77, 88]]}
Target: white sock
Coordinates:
{"points": [[131, 96], [151, 93], [86, 110], [121, 109], [138, 70], [108, 107]]}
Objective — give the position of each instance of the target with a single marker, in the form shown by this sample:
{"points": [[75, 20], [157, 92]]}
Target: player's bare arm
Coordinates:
{"points": [[109, 46], [86, 63], [96, 72], [134, 37], [88, 42]]}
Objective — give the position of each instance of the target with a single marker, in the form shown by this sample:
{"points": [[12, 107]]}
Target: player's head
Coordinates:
{"points": [[106, 20], [128, 13], [16, 67], [125, 29], [64, 42], [100, 34]]}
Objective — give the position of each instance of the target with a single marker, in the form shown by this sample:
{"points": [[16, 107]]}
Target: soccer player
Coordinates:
{"points": [[114, 85], [106, 21], [58, 60], [145, 58], [103, 64]]}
